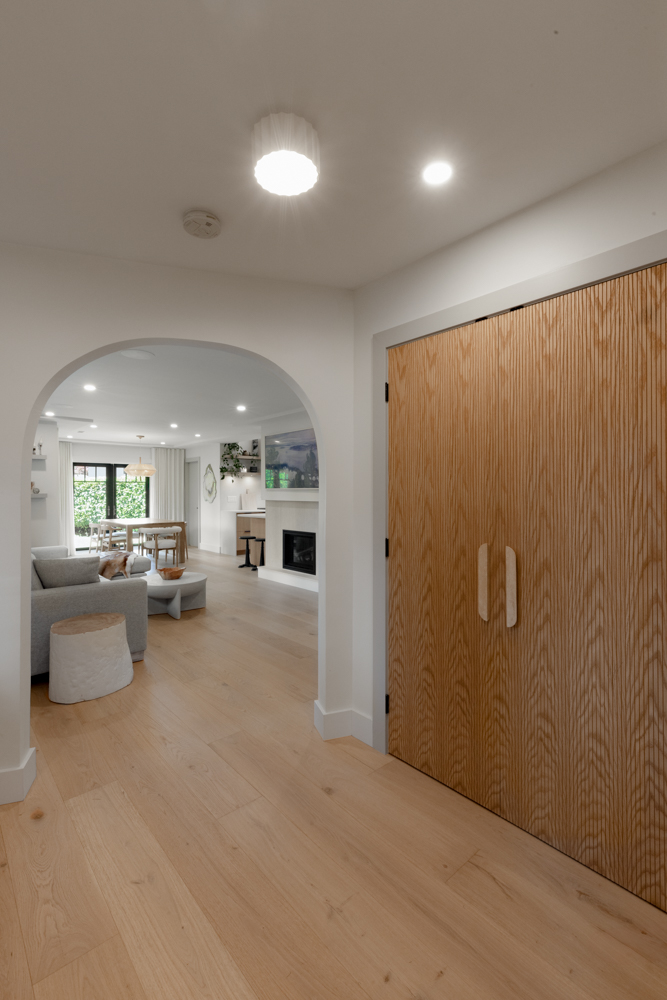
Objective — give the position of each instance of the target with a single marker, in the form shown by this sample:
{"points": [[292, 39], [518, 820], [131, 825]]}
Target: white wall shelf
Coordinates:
{"points": [[38, 496]]}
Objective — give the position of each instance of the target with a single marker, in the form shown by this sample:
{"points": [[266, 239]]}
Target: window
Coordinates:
{"points": [[105, 491]]}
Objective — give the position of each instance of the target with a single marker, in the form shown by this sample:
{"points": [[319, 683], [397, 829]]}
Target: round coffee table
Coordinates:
{"points": [[89, 658], [170, 597]]}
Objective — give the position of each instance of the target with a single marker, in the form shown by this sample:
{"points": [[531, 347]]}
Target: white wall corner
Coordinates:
{"points": [[348, 722], [15, 782]]}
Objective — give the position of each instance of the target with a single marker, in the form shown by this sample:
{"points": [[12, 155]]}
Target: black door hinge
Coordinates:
{"points": [[386, 392], [386, 704], [386, 548]]}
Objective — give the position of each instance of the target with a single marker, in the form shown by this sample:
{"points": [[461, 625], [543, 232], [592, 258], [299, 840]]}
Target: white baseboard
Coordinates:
{"points": [[291, 578], [209, 548], [348, 722], [15, 782]]}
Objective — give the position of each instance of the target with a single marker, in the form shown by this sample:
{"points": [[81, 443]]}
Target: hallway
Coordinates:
{"points": [[191, 836]]}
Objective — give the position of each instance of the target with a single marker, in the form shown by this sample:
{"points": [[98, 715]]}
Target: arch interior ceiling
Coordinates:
{"points": [[197, 388]]}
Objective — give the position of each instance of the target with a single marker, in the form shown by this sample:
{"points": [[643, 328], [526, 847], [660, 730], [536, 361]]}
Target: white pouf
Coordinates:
{"points": [[89, 658]]}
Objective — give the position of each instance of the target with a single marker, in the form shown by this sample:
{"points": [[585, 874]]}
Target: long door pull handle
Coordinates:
{"points": [[483, 581], [510, 586]]}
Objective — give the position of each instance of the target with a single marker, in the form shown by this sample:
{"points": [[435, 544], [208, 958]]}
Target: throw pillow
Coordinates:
{"points": [[68, 572]]}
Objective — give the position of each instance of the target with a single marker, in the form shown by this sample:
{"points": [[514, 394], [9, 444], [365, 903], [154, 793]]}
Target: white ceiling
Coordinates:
{"points": [[197, 388], [119, 117]]}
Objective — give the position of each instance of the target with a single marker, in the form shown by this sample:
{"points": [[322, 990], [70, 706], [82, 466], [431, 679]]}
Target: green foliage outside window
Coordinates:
{"points": [[90, 504], [131, 498], [90, 501]]}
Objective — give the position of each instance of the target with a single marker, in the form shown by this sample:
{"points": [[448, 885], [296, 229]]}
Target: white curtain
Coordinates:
{"points": [[67, 536], [168, 485]]}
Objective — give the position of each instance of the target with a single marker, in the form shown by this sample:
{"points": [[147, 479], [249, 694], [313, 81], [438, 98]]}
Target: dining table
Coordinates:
{"points": [[131, 524]]}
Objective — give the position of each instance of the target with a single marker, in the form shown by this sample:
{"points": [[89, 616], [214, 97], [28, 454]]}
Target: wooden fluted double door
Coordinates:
{"points": [[543, 430]]}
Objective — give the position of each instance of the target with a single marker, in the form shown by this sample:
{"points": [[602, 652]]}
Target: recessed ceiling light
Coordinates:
{"points": [[69, 435], [90, 388], [162, 442], [173, 425], [437, 173], [94, 426], [197, 435], [241, 408], [49, 413], [137, 355], [286, 154]]}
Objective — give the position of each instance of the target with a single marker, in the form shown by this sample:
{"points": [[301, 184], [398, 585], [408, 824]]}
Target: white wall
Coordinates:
{"points": [[115, 454], [45, 513], [60, 310], [610, 223]]}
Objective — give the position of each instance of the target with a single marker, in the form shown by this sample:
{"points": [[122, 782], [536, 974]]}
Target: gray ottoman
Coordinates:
{"points": [[170, 597]]}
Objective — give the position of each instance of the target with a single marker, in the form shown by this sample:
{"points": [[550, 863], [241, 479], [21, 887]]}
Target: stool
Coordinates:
{"points": [[247, 539], [89, 658], [261, 553]]}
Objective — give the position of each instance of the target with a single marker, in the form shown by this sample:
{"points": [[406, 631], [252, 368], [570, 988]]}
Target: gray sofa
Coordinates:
{"points": [[129, 597]]}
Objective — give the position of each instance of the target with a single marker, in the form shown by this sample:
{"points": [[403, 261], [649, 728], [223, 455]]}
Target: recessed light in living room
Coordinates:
{"points": [[69, 436], [286, 154], [90, 388], [197, 435], [173, 425], [437, 173], [49, 413], [241, 408], [94, 426]]}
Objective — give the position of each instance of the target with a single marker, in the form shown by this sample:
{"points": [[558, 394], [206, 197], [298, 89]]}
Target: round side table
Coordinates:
{"points": [[89, 658]]}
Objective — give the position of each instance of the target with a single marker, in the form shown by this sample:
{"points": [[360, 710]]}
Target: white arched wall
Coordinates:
{"points": [[59, 311]]}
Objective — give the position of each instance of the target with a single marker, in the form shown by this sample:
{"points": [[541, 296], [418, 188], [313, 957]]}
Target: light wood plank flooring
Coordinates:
{"points": [[192, 837]]}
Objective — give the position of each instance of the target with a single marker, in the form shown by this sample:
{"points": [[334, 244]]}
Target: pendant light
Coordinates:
{"points": [[140, 469], [286, 154]]}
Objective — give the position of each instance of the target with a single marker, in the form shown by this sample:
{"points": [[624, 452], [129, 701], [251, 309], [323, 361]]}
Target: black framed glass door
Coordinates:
{"points": [[104, 490]]}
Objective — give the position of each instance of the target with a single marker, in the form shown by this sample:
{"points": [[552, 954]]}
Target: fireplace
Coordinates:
{"points": [[299, 551]]}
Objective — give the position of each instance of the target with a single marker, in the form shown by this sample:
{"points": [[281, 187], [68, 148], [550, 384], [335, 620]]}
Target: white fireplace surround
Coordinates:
{"points": [[288, 515]]}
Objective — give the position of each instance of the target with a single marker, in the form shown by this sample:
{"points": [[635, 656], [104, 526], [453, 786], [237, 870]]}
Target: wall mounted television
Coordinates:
{"points": [[291, 461]]}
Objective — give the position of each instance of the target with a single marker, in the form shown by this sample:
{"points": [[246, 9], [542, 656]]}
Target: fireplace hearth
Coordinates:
{"points": [[299, 551]]}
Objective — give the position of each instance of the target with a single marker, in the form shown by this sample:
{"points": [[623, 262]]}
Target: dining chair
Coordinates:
{"points": [[163, 540]]}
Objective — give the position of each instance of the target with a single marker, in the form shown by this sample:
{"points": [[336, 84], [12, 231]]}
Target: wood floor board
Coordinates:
{"points": [[272, 944], [15, 982], [61, 910], [171, 944], [104, 973]]}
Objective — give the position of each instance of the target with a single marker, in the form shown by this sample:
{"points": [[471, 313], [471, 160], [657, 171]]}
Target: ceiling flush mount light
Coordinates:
{"points": [[286, 154], [90, 388], [437, 173], [137, 355], [139, 469], [241, 408], [203, 225]]}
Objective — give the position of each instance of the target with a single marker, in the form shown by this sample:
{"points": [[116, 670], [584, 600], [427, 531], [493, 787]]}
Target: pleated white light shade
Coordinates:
{"points": [[139, 469], [286, 154]]}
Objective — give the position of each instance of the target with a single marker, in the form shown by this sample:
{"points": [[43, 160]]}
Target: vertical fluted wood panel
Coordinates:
{"points": [[544, 429], [443, 458]]}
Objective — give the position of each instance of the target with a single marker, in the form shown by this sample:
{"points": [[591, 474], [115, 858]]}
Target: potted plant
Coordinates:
{"points": [[230, 460]]}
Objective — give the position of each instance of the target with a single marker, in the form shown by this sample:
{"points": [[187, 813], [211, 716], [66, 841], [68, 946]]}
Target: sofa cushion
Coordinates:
{"points": [[67, 572], [35, 582]]}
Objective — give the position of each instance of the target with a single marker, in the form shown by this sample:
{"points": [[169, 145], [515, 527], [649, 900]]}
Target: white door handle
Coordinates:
{"points": [[510, 586], [483, 581]]}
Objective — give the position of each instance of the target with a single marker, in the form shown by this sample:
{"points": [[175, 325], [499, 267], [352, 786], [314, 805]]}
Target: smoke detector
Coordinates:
{"points": [[204, 225]]}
